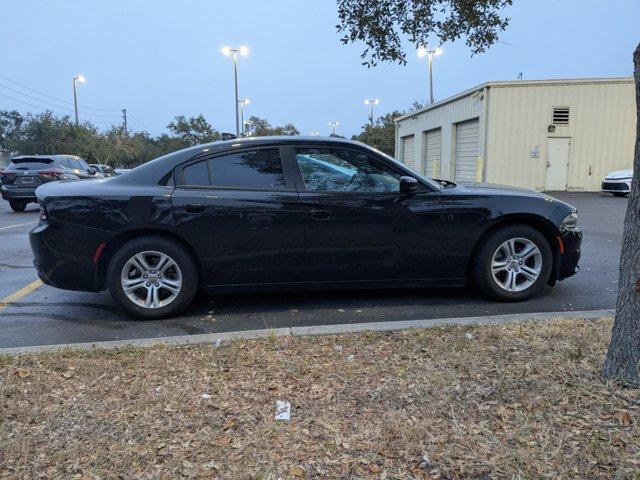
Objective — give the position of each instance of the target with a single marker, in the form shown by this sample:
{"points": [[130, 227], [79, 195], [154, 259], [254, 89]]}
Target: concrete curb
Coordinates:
{"points": [[312, 330]]}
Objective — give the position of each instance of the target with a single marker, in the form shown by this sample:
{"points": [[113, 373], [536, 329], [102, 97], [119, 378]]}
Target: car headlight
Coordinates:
{"points": [[570, 222]]}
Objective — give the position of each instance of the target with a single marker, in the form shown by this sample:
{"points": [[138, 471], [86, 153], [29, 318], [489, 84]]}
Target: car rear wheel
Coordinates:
{"points": [[17, 206], [513, 263], [152, 277]]}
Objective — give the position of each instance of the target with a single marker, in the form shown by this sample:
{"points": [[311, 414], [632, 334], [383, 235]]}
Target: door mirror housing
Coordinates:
{"points": [[409, 185]]}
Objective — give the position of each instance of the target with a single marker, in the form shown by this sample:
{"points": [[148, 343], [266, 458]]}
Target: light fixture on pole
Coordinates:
{"points": [[77, 79], [425, 51], [371, 102], [333, 126], [243, 102], [234, 52], [314, 133]]}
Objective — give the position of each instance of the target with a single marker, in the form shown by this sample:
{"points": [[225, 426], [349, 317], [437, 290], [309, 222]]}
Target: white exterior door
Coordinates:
{"points": [[432, 153], [558, 163], [467, 148], [408, 151]]}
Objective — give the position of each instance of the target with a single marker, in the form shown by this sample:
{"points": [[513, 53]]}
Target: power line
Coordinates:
{"points": [[48, 109], [58, 99], [135, 120], [53, 104]]}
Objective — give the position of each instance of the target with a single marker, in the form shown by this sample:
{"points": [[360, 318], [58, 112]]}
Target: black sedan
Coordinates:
{"points": [[294, 212]]}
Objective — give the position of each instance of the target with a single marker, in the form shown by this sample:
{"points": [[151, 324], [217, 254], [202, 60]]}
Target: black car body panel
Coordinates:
{"points": [[248, 238]]}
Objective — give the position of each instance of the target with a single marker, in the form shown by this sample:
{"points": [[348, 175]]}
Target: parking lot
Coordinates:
{"points": [[39, 315]]}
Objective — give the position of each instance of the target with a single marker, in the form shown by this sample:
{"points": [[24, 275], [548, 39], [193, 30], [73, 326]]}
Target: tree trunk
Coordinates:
{"points": [[623, 358]]}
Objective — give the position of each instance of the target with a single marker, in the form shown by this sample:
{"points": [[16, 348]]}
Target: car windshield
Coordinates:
{"points": [[30, 163]]}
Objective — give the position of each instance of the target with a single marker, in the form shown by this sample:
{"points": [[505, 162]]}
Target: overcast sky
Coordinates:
{"points": [[161, 58]]}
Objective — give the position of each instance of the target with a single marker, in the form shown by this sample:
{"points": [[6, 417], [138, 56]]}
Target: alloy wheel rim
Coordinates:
{"points": [[516, 264], [151, 279]]}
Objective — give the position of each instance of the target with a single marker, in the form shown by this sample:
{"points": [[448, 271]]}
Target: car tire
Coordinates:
{"points": [[620, 194], [17, 206], [499, 261], [127, 271]]}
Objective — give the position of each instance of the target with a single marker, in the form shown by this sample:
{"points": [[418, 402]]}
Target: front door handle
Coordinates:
{"points": [[318, 214], [194, 207]]}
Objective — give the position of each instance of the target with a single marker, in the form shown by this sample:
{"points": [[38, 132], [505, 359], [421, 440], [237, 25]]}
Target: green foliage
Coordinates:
{"points": [[46, 133], [381, 134], [383, 26], [260, 127], [194, 130]]}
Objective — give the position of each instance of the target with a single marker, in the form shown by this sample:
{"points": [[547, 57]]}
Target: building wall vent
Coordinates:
{"points": [[561, 115]]}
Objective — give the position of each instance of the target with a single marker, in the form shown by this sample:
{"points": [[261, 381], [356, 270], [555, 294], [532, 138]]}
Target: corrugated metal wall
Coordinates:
{"points": [[441, 116], [602, 127]]}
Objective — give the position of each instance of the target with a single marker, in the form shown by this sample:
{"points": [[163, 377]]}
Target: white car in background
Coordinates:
{"points": [[618, 182]]}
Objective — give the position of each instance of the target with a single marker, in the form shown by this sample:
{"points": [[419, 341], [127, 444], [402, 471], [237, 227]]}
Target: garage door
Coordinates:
{"points": [[408, 151], [467, 150], [432, 153]]}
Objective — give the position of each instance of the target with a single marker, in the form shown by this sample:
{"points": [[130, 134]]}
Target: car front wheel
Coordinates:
{"points": [[17, 206], [152, 277], [513, 263]]}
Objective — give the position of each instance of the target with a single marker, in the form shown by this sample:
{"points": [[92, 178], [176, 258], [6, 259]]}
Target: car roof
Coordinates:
{"points": [[154, 170], [51, 157]]}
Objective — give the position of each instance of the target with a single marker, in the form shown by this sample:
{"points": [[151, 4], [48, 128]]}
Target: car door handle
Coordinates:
{"points": [[194, 207], [318, 214]]}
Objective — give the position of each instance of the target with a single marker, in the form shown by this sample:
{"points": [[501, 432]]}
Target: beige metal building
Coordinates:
{"points": [[538, 134]]}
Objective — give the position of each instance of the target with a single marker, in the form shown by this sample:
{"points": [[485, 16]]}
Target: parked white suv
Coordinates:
{"points": [[618, 182]]}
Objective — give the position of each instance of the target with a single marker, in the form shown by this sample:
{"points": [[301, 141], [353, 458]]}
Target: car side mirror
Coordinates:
{"points": [[409, 185]]}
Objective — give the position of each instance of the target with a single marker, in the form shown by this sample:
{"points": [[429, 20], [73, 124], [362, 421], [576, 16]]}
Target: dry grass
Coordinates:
{"points": [[516, 401]]}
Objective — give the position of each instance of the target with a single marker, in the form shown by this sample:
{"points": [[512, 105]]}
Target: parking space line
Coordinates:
{"points": [[23, 292], [18, 225]]}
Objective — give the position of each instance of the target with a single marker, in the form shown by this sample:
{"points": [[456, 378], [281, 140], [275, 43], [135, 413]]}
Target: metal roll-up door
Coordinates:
{"points": [[408, 151], [467, 150], [432, 153]]}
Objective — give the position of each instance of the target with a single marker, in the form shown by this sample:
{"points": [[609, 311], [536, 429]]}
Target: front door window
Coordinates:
{"points": [[341, 170]]}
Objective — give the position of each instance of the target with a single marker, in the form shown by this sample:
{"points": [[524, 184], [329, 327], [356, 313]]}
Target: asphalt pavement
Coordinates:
{"points": [[43, 315]]}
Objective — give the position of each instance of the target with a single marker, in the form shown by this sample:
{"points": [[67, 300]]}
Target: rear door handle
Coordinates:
{"points": [[318, 214], [194, 207]]}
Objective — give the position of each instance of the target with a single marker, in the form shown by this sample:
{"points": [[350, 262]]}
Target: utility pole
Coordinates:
{"points": [[124, 120]]}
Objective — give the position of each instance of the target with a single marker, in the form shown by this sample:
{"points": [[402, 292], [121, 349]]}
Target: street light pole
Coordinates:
{"points": [[242, 103], [430, 53], [76, 79], [333, 126], [371, 102], [430, 77], [227, 51]]}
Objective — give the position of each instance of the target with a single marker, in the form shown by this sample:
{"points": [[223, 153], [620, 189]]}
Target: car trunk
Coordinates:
{"points": [[25, 173]]}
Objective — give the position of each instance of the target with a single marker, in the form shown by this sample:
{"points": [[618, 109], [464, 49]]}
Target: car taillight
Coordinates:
{"points": [[50, 173]]}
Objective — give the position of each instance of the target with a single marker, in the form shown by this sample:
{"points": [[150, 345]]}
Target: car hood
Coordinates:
{"points": [[620, 174], [494, 190], [497, 189]]}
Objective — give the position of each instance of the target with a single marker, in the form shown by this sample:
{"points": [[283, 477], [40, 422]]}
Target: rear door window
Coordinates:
{"points": [[248, 170], [251, 170], [196, 174], [30, 163]]}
